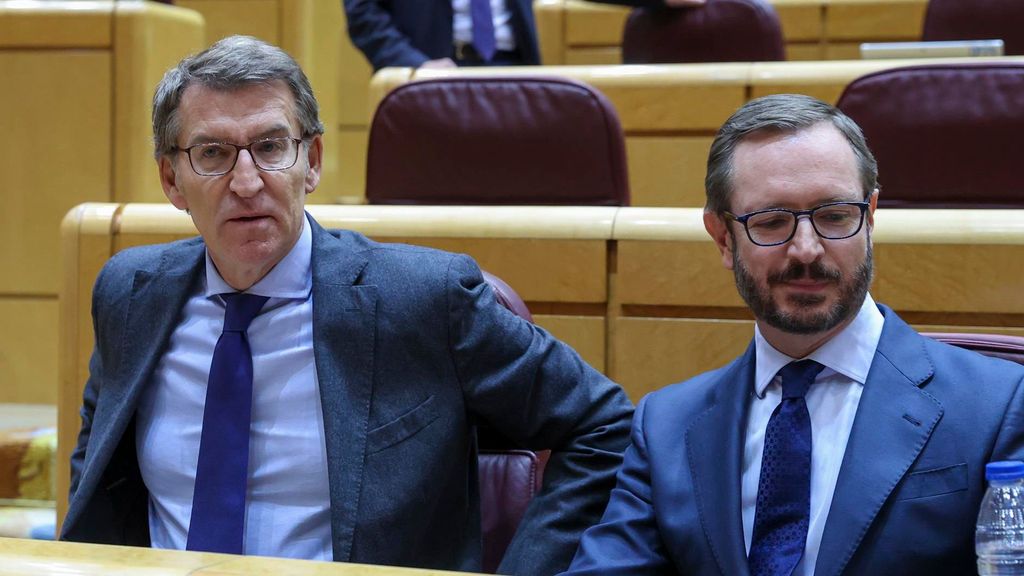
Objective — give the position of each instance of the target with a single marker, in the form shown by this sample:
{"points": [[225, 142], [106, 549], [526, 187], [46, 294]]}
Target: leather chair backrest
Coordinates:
{"points": [[508, 478], [496, 140], [946, 135], [977, 20], [718, 31], [507, 297], [1003, 346]]}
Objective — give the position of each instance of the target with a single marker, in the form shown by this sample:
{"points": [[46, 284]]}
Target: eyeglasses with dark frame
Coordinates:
{"points": [[219, 158], [775, 226]]}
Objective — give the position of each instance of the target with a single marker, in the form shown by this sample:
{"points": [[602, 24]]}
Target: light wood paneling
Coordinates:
{"points": [[27, 349], [593, 55], [538, 269], [874, 20], [550, 19], [666, 170], [56, 24], [805, 51], [259, 18], [950, 278], [651, 353], [675, 96], [352, 146], [673, 273], [85, 235], [669, 97], [57, 152], [149, 38], [594, 24], [586, 334], [802, 21]]}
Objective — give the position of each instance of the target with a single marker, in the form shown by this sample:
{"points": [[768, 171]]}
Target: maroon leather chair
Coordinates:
{"points": [[945, 135], [996, 345], [977, 20], [719, 31], [496, 140], [508, 478]]}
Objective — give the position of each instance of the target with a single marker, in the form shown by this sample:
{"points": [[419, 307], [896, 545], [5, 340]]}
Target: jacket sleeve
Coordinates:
{"points": [[373, 30], [539, 393], [627, 540]]}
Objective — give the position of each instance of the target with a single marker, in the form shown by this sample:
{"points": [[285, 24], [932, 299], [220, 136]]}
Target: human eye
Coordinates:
{"points": [[271, 145], [834, 214], [211, 151], [773, 220]]}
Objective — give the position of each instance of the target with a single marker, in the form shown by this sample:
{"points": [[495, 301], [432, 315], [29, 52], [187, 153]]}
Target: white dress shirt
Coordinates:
{"points": [[462, 24], [832, 402], [288, 500]]}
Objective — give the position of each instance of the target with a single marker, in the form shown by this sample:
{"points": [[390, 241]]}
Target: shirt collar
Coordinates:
{"points": [[292, 277], [848, 353]]}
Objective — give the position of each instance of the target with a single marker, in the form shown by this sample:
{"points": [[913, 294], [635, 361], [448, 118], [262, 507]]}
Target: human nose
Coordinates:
{"points": [[805, 246], [246, 179]]}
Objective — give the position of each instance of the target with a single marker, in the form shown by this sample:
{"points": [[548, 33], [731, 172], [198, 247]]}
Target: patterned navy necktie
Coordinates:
{"points": [[218, 502], [784, 490], [483, 28]]}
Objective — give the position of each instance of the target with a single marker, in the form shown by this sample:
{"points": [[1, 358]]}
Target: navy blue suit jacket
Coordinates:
{"points": [[411, 352], [930, 417], [410, 32]]}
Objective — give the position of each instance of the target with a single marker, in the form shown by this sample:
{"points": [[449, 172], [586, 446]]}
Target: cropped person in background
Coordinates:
{"points": [[841, 441], [448, 33], [272, 388]]}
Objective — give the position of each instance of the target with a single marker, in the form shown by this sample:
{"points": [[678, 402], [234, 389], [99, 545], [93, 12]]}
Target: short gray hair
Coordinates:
{"points": [[779, 113], [231, 63]]}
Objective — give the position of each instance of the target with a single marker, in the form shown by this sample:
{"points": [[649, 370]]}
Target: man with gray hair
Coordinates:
{"points": [[273, 388], [841, 441]]}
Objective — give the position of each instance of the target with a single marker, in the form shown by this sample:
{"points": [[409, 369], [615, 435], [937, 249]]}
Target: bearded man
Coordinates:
{"points": [[841, 441]]}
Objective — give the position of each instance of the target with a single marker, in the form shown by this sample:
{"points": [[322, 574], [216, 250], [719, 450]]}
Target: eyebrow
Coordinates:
{"points": [[820, 202], [278, 130]]}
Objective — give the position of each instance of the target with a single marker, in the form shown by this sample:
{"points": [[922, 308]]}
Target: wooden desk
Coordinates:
{"points": [[34, 557]]}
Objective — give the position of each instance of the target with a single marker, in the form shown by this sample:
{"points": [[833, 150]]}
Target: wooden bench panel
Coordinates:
{"points": [[77, 129]]}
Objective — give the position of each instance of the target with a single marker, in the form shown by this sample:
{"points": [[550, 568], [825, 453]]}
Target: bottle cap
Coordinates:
{"points": [[1005, 470]]}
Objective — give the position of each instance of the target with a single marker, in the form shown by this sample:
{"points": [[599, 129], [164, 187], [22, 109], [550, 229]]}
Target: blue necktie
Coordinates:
{"points": [[218, 502], [784, 490], [483, 28]]}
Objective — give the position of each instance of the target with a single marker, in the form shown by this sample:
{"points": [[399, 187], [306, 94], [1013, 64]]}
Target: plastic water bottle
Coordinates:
{"points": [[999, 539]]}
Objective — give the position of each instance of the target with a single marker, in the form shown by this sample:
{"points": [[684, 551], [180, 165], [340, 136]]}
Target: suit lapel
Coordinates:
{"points": [[157, 299], [344, 328], [894, 421], [714, 443]]}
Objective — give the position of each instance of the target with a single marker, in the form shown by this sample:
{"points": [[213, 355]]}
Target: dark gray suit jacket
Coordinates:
{"points": [[908, 492], [411, 353]]}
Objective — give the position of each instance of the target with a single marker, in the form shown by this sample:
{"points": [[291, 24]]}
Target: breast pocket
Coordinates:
{"points": [[402, 428], [933, 482]]}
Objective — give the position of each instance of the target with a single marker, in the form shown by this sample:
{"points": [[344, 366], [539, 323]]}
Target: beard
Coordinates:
{"points": [[852, 291]]}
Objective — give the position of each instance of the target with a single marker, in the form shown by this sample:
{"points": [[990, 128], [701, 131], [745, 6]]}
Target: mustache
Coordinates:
{"points": [[813, 271]]}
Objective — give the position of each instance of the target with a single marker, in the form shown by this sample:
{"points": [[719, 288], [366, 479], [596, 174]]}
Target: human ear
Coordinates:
{"points": [[718, 229]]}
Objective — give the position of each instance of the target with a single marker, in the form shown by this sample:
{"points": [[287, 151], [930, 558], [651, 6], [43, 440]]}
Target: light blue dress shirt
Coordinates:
{"points": [[832, 402], [288, 499]]}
